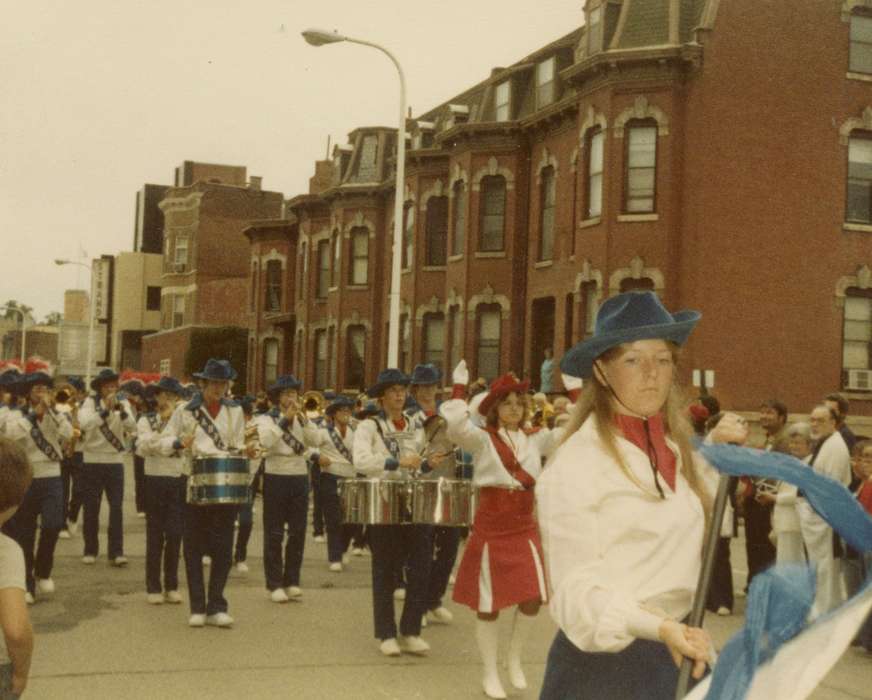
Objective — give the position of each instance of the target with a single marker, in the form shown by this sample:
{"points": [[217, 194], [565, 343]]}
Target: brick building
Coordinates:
{"points": [[674, 146], [205, 271]]}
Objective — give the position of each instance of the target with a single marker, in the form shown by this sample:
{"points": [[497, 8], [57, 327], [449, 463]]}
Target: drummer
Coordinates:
{"points": [[389, 445], [424, 388], [211, 426], [285, 488], [332, 443], [163, 492]]}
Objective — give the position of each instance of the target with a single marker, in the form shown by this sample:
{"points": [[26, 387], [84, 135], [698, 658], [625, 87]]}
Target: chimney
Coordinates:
{"points": [[254, 182]]}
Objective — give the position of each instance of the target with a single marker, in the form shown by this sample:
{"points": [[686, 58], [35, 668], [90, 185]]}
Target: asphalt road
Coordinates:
{"points": [[98, 638]]}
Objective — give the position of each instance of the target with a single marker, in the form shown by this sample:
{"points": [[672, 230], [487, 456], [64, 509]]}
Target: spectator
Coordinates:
{"points": [[840, 404], [561, 405], [785, 519], [830, 458], [863, 466], [16, 647], [546, 373]]}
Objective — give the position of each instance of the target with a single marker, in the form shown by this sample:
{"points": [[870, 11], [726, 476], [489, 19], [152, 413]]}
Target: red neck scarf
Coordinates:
{"points": [[865, 496], [399, 424], [652, 441], [214, 409]]}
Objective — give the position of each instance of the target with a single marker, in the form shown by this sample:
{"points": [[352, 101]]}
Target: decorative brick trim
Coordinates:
{"points": [[487, 296], [864, 121], [642, 109], [636, 271], [861, 279], [493, 168]]}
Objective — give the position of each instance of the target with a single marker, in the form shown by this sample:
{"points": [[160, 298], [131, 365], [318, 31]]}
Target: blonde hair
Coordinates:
{"points": [[596, 400]]}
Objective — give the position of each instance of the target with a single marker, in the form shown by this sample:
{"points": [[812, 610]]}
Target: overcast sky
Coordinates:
{"points": [[100, 97]]}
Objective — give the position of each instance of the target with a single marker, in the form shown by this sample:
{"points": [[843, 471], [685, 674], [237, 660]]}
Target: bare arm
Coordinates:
{"points": [[18, 634]]}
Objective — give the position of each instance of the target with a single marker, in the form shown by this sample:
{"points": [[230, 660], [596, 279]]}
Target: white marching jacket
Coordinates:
{"points": [[96, 448], [54, 427], [280, 456], [372, 456], [321, 439], [230, 424], [619, 559], [156, 445], [489, 469]]}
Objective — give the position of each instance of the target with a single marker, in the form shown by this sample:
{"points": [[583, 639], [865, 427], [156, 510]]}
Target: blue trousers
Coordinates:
{"points": [[245, 518], [164, 502], [285, 500], [317, 502], [393, 546], [642, 671], [338, 534], [97, 479], [44, 501], [208, 531]]}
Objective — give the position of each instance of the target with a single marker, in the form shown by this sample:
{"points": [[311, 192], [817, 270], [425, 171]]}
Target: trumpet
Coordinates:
{"points": [[314, 401]]}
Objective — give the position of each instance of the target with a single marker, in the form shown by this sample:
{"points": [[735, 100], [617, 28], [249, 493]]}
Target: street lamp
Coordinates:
{"points": [[320, 37], [23, 332], [91, 314]]}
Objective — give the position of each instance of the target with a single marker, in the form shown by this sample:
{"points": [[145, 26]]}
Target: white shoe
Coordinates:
{"points": [[723, 611], [487, 637], [242, 567], [278, 596], [335, 567], [424, 621], [45, 586], [197, 620], [441, 615], [207, 560], [154, 598], [119, 561], [400, 594], [413, 645], [221, 619], [88, 559], [345, 559], [30, 600], [173, 597], [64, 535], [389, 647], [72, 527], [357, 552], [319, 538], [294, 592]]}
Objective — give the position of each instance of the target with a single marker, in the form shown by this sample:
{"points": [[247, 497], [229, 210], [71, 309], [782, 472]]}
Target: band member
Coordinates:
{"points": [[13, 385], [40, 432], [313, 402], [285, 489], [622, 510], [389, 445], [163, 493], [211, 426], [333, 443], [134, 391], [105, 422], [73, 499], [502, 563], [424, 387]]}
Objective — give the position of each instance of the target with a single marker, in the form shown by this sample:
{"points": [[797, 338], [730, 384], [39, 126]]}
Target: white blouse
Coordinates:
{"points": [[619, 559]]}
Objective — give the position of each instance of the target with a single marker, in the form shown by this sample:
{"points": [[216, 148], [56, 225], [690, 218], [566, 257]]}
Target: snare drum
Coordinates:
{"points": [[445, 502], [376, 501], [219, 480]]}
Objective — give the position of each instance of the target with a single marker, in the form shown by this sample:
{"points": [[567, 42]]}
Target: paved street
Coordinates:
{"points": [[99, 639]]}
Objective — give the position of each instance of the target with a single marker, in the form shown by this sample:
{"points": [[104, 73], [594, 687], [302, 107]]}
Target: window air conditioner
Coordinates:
{"points": [[859, 379]]}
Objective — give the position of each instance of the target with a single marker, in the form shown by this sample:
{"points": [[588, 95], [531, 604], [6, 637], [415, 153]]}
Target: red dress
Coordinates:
{"points": [[502, 564]]}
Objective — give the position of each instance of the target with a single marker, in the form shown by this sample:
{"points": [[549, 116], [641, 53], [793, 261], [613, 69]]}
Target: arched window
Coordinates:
{"points": [[270, 361], [593, 166], [857, 339], [273, 285], [547, 201], [437, 231], [493, 213], [488, 341], [355, 357], [321, 359], [323, 269], [640, 185], [434, 340], [359, 267], [859, 204], [458, 242], [337, 254]]}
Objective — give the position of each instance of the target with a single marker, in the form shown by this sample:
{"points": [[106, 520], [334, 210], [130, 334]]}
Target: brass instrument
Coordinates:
{"points": [[313, 401]]}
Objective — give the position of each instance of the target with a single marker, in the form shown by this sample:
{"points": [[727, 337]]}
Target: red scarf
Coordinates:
{"points": [[509, 460], [865, 496], [214, 409], [652, 442]]}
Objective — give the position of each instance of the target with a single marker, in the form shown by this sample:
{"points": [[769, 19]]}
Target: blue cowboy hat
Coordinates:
{"points": [[216, 371], [76, 383], [132, 387], [32, 379], [386, 378], [626, 318], [370, 408], [11, 377], [285, 381], [105, 375], [426, 374], [167, 384], [338, 403]]}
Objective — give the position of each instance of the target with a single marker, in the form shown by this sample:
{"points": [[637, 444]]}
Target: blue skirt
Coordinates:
{"points": [[643, 671]]}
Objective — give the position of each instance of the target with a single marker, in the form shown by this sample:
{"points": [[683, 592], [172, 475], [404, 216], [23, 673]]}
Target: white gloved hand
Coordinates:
{"points": [[460, 374], [570, 382]]}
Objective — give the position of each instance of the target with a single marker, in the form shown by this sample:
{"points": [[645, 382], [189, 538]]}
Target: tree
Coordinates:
{"points": [[53, 318], [11, 308]]}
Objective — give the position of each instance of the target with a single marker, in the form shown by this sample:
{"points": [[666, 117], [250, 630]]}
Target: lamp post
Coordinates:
{"points": [[319, 37], [91, 314], [23, 332]]}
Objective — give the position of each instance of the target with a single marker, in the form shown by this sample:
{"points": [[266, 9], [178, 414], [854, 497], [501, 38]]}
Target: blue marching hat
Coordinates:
{"points": [[133, 387], [426, 374], [626, 318], [338, 403], [386, 378], [285, 381], [370, 408], [11, 377], [76, 383], [105, 375], [167, 384], [216, 370], [32, 379]]}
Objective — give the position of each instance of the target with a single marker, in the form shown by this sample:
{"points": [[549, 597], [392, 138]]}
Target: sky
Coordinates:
{"points": [[100, 97]]}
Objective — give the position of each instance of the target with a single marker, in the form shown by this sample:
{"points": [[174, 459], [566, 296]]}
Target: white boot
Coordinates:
{"points": [[521, 626], [487, 636]]}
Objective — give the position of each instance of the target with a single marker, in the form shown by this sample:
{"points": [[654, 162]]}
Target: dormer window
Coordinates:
{"points": [[545, 83], [503, 102], [366, 170], [861, 44], [594, 30]]}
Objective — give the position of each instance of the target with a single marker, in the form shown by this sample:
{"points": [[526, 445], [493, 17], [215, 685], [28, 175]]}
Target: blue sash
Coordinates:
{"points": [[44, 445], [290, 440], [391, 443], [209, 427], [339, 444], [111, 437]]}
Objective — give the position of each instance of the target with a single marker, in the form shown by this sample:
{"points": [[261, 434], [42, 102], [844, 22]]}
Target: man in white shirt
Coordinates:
{"points": [[106, 423], [40, 433]]}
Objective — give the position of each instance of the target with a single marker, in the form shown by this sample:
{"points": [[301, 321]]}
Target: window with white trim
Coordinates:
{"points": [[458, 242], [436, 233], [359, 267], [493, 213], [857, 330], [323, 269], [355, 357], [434, 340], [545, 85], [593, 196], [860, 54], [178, 310], [859, 204], [595, 30], [641, 167], [503, 101], [270, 361], [488, 346], [547, 201], [273, 285], [321, 359]]}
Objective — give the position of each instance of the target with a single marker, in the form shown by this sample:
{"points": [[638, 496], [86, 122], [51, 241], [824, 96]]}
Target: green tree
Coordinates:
{"points": [[53, 318]]}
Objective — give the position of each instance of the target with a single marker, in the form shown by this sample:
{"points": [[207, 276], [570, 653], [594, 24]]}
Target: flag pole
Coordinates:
{"points": [[725, 484]]}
